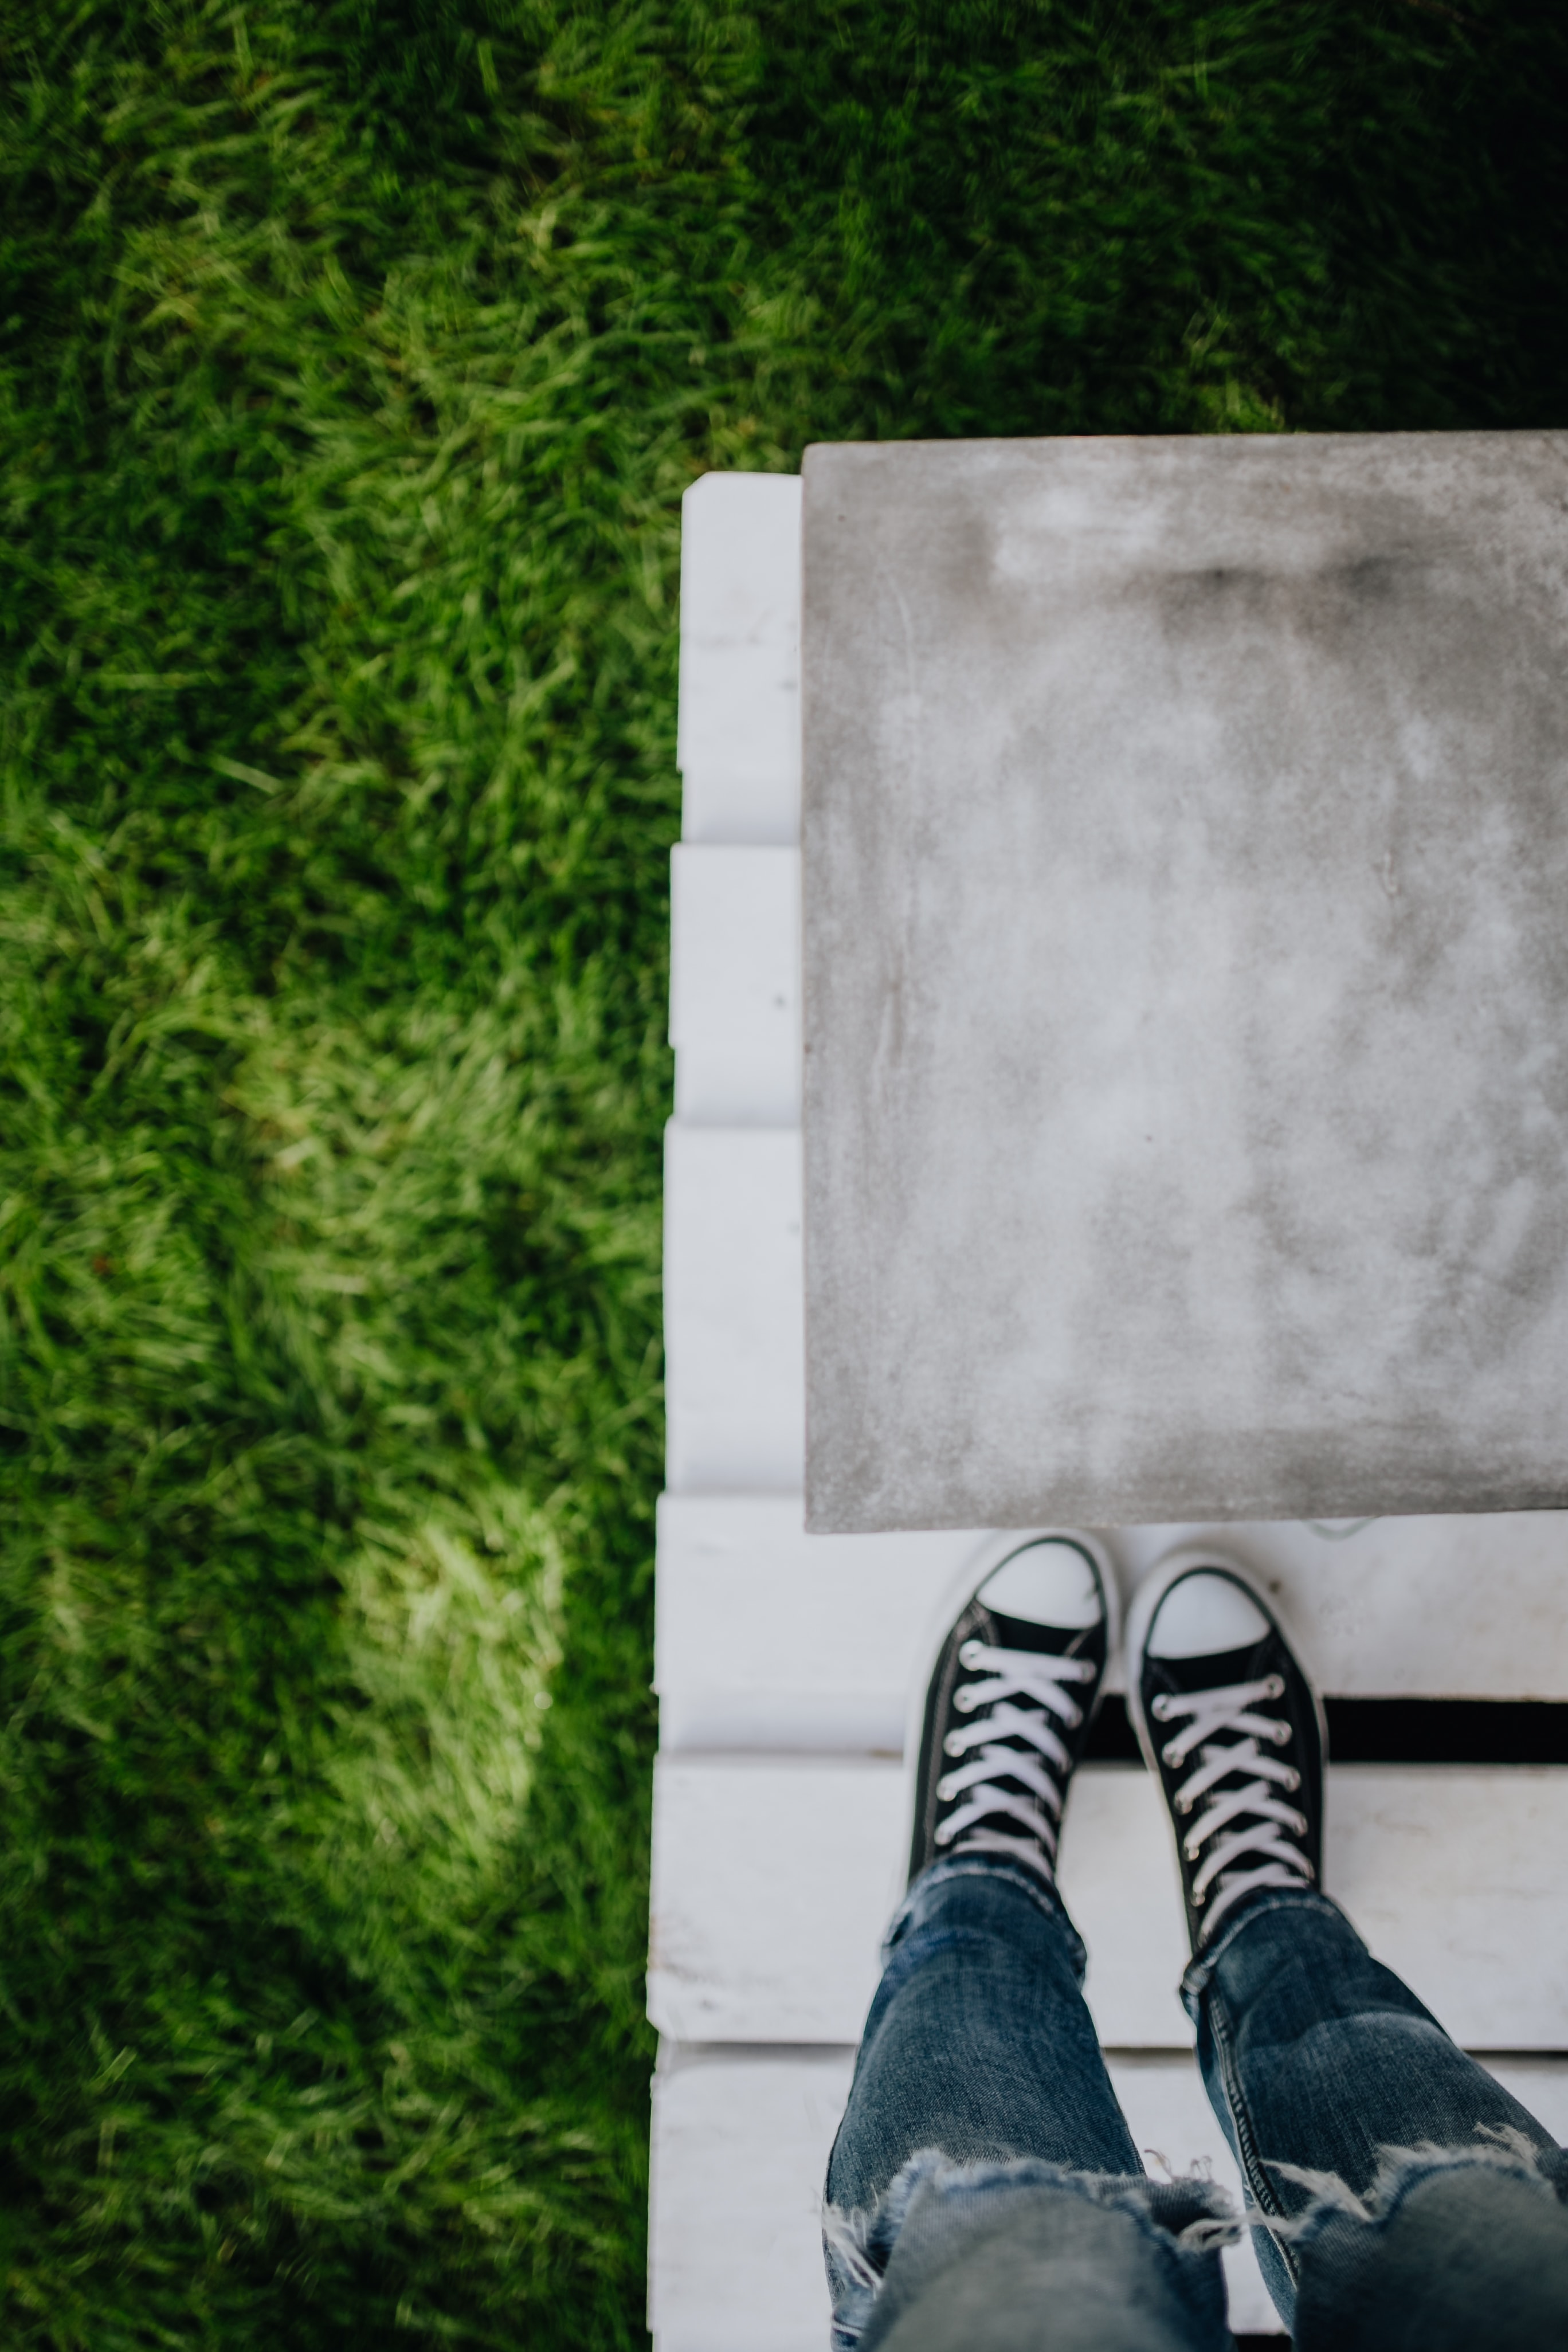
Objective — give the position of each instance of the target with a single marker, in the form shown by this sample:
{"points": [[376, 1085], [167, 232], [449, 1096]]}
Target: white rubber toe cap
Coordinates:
{"points": [[1045, 1583], [1204, 1614]]}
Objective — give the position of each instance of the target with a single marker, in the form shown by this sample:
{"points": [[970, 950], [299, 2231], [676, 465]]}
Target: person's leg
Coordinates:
{"points": [[1415, 2199], [1421, 2199], [984, 2175], [978, 2041]]}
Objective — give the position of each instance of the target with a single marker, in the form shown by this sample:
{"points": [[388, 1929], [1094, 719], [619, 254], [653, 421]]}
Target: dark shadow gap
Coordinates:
{"points": [[1401, 1731]]}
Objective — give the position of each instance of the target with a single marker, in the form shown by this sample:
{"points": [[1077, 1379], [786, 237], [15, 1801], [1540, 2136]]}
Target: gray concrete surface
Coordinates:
{"points": [[1186, 979]]}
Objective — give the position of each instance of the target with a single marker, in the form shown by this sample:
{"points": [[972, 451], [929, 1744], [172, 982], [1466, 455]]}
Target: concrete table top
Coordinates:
{"points": [[1185, 893]]}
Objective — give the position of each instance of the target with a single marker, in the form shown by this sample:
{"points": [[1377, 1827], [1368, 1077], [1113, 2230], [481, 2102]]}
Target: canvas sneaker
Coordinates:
{"points": [[1006, 1707], [1231, 1727]]}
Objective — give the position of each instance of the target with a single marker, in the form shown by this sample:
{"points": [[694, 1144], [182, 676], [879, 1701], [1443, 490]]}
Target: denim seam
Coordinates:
{"points": [[1197, 1980], [1259, 2187], [1196, 1983]]}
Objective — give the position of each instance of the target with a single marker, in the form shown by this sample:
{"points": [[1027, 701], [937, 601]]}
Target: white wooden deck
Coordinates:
{"points": [[783, 1661]]}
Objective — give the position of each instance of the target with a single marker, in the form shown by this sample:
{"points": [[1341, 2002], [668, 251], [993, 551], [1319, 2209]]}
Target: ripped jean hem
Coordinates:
{"points": [[1450, 2247], [1401, 2171], [1183, 2219], [1186, 2217]]}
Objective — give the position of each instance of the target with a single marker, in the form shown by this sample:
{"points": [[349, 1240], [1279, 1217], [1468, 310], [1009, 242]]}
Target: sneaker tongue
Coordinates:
{"points": [[1216, 1671], [1046, 1641]]}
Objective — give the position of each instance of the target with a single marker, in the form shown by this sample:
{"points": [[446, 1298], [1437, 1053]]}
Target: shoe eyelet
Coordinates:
{"points": [[1183, 1804], [1190, 1850], [1280, 1733], [1160, 1708], [1166, 1754], [1294, 1782], [1274, 1687], [964, 1698]]}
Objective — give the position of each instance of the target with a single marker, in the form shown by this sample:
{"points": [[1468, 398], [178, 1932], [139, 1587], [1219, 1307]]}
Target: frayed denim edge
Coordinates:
{"points": [[1498, 2148], [859, 2243]]}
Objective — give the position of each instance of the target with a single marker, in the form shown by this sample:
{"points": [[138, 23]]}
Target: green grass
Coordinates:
{"points": [[356, 353]]}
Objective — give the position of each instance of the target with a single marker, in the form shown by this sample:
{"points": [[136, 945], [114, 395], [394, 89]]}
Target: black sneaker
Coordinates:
{"points": [[1233, 1731], [1008, 1704]]}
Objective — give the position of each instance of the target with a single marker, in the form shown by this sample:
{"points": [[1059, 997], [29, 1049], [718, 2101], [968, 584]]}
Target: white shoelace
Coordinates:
{"points": [[1011, 1674], [1276, 1862]]}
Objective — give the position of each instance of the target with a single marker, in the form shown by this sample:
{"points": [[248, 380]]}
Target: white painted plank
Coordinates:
{"points": [[1454, 1875], [740, 2141], [770, 1638], [734, 985], [772, 1884], [738, 731], [735, 1395], [1118, 1880], [773, 1880], [1539, 2082], [1466, 1606]]}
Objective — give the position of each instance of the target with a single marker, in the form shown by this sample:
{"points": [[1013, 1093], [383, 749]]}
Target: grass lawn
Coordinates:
{"points": [[356, 355]]}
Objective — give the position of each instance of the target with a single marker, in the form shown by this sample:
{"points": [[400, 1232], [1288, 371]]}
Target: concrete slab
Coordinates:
{"points": [[1187, 980]]}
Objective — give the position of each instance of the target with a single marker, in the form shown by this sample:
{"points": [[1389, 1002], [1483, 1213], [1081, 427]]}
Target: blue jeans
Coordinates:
{"points": [[984, 2194]]}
